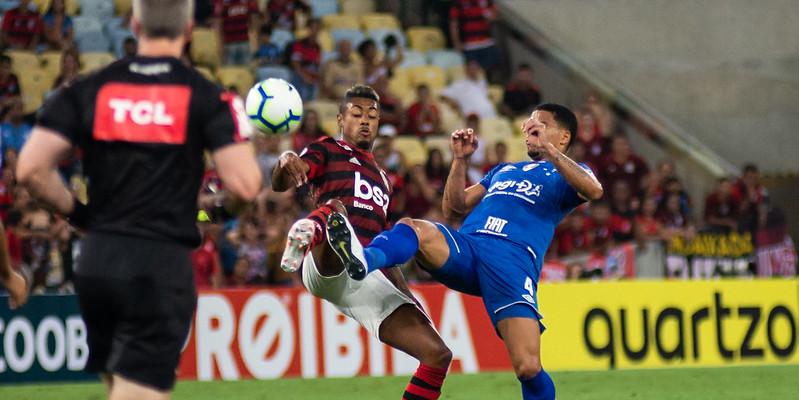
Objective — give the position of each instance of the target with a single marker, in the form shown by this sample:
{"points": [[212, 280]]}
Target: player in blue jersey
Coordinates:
{"points": [[498, 252]]}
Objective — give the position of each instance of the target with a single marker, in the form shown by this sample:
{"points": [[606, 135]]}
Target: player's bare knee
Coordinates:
{"points": [[527, 367], [442, 357]]}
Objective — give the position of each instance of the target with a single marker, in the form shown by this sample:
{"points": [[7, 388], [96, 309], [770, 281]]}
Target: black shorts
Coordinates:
{"points": [[137, 298]]}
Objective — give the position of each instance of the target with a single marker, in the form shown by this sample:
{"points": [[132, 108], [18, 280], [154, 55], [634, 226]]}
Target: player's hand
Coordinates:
{"points": [[294, 168], [463, 143], [17, 289], [534, 130]]}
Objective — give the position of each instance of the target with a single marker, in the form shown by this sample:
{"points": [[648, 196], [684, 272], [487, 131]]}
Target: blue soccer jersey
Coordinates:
{"points": [[524, 202]]}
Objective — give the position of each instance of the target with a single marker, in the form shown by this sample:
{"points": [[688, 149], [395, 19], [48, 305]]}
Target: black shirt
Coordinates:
{"points": [[143, 124]]}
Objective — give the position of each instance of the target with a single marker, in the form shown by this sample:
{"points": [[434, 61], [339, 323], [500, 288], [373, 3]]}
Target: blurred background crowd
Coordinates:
{"points": [[431, 79]]}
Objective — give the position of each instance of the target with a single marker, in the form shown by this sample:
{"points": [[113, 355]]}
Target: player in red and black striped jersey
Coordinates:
{"points": [[344, 177]]}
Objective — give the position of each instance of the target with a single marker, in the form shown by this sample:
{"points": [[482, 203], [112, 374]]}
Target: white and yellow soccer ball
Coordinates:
{"points": [[274, 106]]}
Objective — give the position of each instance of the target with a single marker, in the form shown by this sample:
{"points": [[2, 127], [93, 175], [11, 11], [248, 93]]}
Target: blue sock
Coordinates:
{"points": [[390, 248], [539, 387]]}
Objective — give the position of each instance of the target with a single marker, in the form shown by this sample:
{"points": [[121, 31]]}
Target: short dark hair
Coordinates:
{"points": [[750, 168], [266, 29], [564, 117], [365, 44], [359, 92], [5, 59], [524, 66], [163, 18]]}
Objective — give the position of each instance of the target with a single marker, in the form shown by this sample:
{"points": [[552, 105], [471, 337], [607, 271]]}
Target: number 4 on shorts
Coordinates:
{"points": [[528, 286]]}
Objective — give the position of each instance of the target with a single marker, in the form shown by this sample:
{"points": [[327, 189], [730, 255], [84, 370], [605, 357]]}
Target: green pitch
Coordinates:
{"points": [[735, 383]]}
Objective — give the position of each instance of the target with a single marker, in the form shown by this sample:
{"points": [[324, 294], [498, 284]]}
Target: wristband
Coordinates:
{"points": [[79, 217]]}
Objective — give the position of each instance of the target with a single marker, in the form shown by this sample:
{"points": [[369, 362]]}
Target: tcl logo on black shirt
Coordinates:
{"points": [[143, 124]]}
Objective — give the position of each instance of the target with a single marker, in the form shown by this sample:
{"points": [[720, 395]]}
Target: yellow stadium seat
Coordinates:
{"points": [[493, 130], [431, 75], [51, 62], [451, 120], [327, 110], [330, 126], [207, 73], [338, 21], [458, 72], [205, 47], [93, 61], [122, 7], [517, 150], [379, 21], [239, 77], [495, 93], [326, 41], [441, 143], [357, 7], [424, 38], [71, 6], [517, 124], [22, 61], [34, 84], [412, 150]]}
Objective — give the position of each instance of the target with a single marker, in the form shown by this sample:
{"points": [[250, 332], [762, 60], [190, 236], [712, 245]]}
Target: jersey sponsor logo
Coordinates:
{"points": [[355, 161], [150, 69], [507, 168], [530, 167], [142, 113], [368, 192], [244, 128], [524, 187], [495, 224]]}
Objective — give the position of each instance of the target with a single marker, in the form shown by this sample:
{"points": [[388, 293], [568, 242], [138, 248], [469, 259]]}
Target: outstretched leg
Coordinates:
{"points": [[522, 338], [306, 234]]}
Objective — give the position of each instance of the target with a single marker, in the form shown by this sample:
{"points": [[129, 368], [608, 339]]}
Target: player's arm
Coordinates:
{"points": [[37, 169], [238, 170], [13, 281], [458, 202]]}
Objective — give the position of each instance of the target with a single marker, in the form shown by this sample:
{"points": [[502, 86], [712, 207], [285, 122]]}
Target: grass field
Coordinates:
{"points": [[734, 383]]}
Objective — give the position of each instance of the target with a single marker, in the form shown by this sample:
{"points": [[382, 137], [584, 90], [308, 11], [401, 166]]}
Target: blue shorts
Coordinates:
{"points": [[499, 271]]}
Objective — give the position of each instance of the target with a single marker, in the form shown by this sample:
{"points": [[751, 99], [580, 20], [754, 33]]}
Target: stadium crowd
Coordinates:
{"points": [[425, 90]]}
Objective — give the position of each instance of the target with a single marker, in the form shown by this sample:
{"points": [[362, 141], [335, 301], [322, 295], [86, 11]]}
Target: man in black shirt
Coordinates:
{"points": [[143, 124]]}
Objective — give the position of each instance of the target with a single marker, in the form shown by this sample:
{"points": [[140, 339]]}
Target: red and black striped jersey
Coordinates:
{"points": [[340, 171]]}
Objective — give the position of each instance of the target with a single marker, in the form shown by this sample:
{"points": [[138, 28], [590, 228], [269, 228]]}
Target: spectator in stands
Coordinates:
{"points": [[622, 164], [676, 223], [129, 47], [521, 94], [435, 169], [341, 73], [310, 130], [375, 67], [751, 196], [604, 117], [721, 208], [623, 207], [267, 150], [305, 56], [673, 185], [474, 171], [656, 180], [470, 95], [599, 226], [574, 272], [207, 267], [419, 193], [391, 111], [573, 236], [395, 161], [7, 184], [597, 144], [647, 224], [22, 27], [251, 246], [14, 131], [500, 156], [58, 30], [470, 31], [267, 52], [423, 118], [9, 84], [282, 14], [70, 68], [232, 19], [203, 12], [396, 207]]}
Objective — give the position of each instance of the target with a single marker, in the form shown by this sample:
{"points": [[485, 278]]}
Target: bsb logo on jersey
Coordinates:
{"points": [[142, 113], [366, 191]]}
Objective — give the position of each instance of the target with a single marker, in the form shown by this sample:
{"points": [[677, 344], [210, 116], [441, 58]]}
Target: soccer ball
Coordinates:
{"points": [[274, 106]]}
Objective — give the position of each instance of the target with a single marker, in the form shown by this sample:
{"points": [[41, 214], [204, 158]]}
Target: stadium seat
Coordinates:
{"points": [[207, 73], [34, 85], [400, 83], [92, 42], [118, 38], [517, 124], [458, 72], [441, 143], [495, 93], [273, 71], [451, 120], [357, 7], [281, 38], [51, 62], [431, 75], [328, 56], [326, 40], [330, 126], [240, 77], [94, 60], [379, 36], [320, 8], [493, 130], [6, 5], [445, 58], [336, 21], [413, 59], [71, 6], [327, 109], [425, 38], [412, 150], [102, 9], [205, 47], [22, 61], [517, 151], [380, 21], [86, 24], [355, 36], [122, 7]]}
